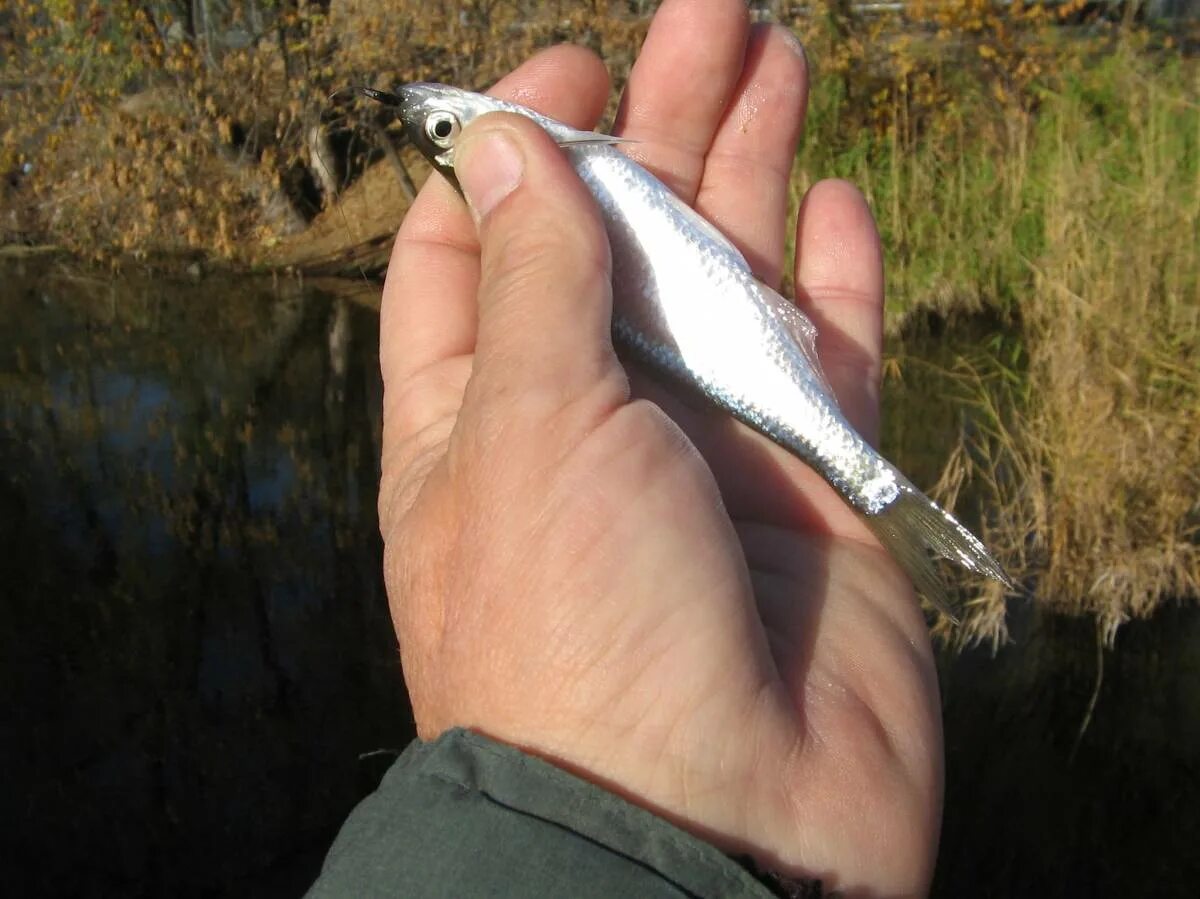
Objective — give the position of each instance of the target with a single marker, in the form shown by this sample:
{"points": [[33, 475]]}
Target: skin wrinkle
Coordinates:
{"points": [[438, 238], [401, 490], [855, 691], [734, 161], [408, 405], [409, 566], [543, 525], [751, 793], [447, 380], [604, 401], [864, 711]]}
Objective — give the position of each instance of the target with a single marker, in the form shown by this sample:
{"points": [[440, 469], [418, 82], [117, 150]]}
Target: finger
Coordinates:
{"points": [[428, 311], [545, 291], [744, 190], [839, 285], [680, 85]]}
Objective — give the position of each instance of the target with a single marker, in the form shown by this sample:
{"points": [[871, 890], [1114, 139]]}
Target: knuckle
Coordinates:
{"points": [[405, 469], [407, 408], [419, 417], [425, 399]]}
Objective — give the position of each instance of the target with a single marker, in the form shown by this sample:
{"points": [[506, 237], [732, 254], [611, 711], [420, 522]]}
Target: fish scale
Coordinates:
{"points": [[686, 302]]}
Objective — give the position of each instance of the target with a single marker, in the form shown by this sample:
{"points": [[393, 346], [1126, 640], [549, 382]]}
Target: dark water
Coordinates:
{"points": [[197, 666], [194, 637], [1032, 808]]}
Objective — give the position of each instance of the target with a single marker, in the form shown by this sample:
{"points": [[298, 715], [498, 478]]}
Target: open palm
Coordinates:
{"points": [[627, 582]]}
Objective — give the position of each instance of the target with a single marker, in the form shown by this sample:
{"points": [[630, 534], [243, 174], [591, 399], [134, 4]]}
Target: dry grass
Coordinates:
{"points": [[1113, 330], [1081, 441]]}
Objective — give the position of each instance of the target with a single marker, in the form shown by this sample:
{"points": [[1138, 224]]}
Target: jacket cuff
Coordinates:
{"points": [[465, 815]]}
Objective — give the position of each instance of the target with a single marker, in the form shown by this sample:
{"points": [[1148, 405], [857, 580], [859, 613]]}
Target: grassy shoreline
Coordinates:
{"points": [[1080, 434]]}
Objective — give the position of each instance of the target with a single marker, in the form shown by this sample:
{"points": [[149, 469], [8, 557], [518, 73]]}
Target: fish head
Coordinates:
{"points": [[435, 115]]}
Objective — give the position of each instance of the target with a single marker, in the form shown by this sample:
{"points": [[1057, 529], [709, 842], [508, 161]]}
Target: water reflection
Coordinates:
{"points": [[195, 649], [1034, 807], [195, 644]]}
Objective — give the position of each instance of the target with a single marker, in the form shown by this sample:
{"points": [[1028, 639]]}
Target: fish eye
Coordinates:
{"points": [[442, 128]]}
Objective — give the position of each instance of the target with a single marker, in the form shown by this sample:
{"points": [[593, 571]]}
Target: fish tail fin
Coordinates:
{"points": [[913, 528]]}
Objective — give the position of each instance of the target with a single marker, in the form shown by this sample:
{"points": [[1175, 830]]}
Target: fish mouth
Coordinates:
{"points": [[411, 102], [408, 97]]}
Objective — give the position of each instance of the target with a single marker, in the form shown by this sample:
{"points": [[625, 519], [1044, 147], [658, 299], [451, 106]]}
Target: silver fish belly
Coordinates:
{"points": [[686, 302]]}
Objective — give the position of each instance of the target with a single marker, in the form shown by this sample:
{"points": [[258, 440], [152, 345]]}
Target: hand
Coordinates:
{"points": [[626, 583]]}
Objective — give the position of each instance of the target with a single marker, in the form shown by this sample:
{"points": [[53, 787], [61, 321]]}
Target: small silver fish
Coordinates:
{"points": [[686, 303]]}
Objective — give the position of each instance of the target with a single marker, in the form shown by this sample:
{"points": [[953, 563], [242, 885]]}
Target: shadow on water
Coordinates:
{"points": [[195, 641], [1037, 805], [1035, 809], [195, 651]]}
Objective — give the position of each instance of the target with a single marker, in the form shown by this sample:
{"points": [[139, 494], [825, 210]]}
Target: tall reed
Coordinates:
{"points": [[1078, 228]]}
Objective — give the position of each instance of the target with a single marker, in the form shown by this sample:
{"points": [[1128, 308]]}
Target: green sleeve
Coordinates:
{"points": [[466, 816]]}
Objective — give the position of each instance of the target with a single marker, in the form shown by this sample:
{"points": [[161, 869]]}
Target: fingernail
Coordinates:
{"points": [[489, 168], [793, 44]]}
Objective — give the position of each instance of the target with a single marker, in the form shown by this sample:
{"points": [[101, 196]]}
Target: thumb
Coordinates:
{"points": [[545, 292]]}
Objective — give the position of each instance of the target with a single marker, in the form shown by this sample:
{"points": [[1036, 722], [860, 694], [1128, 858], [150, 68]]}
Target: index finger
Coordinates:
{"points": [[680, 86]]}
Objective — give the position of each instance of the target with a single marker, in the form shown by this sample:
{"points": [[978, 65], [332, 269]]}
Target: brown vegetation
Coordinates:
{"points": [[173, 126], [1095, 476]]}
